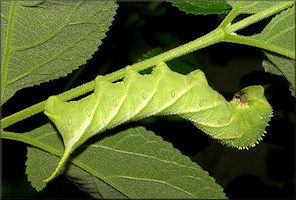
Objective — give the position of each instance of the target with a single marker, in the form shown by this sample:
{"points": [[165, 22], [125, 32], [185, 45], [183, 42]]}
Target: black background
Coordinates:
{"points": [[265, 171]]}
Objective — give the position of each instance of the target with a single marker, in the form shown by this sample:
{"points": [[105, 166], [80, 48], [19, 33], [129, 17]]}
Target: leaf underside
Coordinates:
{"points": [[202, 7], [281, 66], [280, 32], [90, 184], [49, 40], [251, 7], [134, 163]]}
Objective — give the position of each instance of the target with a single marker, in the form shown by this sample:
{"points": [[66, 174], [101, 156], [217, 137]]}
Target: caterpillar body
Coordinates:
{"points": [[239, 123]]}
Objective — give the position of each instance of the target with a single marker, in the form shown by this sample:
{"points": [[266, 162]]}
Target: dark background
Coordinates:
{"points": [[265, 171]]}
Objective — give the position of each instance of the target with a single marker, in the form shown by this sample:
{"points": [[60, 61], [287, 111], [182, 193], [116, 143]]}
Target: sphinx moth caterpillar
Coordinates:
{"points": [[239, 123]]}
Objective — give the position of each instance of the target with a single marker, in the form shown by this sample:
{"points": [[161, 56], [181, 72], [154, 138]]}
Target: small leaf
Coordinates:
{"points": [[202, 7], [45, 40], [135, 162]]}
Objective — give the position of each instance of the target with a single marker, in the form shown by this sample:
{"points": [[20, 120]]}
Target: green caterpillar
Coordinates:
{"points": [[239, 123]]}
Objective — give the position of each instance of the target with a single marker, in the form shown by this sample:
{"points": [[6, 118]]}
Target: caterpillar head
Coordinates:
{"points": [[251, 107]]}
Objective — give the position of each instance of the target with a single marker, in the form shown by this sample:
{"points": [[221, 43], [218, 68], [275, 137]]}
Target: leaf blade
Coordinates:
{"points": [[40, 159], [280, 31], [136, 158], [202, 7], [281, 66], [251, 7], [49, 40]]}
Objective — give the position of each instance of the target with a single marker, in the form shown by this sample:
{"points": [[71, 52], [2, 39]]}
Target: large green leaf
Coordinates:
{"points": [[202, 7], [134, 163], [44, 40]]}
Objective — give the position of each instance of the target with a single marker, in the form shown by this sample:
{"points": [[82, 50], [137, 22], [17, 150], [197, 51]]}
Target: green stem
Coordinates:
{"points": [[256, 43], [233, 13], [225, 32], [213, 37], [21, 137], [21, 115], [258, 16]]}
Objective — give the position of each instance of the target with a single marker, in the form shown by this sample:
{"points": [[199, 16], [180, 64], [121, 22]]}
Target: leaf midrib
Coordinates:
{"points": [[281, 32], [52, 35], [48, 60], [151, 180], [54, 57], [7, 47], [107, 179], [38, 143]]}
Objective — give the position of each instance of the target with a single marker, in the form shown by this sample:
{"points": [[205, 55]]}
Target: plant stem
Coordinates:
{"points": [[256, 43], [233, 13], [213, 37], [225, 32], [23, 138], [258, 16]]}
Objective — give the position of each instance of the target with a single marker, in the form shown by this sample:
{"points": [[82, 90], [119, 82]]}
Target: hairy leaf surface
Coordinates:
{"points": [[202, 7], [135, 162], [251, 7], [44, 40], [281, 66], [38, 167], [280, 32]]}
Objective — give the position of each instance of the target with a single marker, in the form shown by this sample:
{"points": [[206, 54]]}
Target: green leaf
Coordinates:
{"points": [[250, 7], [281, 66], [45, 40], [38, 164], [280, 32], [136, 162], [40, 159], [91, 184], [202, 7]]}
